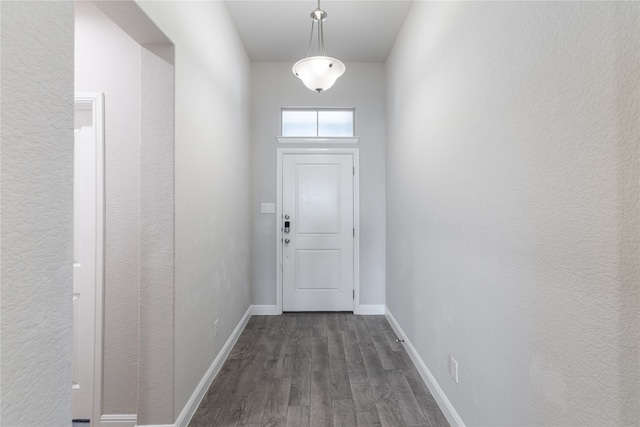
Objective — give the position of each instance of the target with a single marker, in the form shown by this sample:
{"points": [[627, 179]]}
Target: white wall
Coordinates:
{"points": [[513, 199], [273, 86], [36, 195], [156, 333], [212, 186], [108, 60]]}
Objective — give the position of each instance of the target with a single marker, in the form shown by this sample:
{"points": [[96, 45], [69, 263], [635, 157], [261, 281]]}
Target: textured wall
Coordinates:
{"points": [[108, 60], [513, 199], [36, 195], [212, 172], [362, 87], [155, 373]]}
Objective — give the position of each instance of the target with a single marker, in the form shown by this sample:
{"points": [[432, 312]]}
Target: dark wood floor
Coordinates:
{"points": [[315, 369]]}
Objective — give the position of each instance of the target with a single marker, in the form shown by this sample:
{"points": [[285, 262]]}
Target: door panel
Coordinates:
{"points": [[318, 201], [317, 253], [318, 270]]}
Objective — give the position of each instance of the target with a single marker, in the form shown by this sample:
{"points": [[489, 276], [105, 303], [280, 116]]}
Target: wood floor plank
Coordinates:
{"points": [[284, 366], [304, 348], [346, 321], [391, 339], [320, 354], [256, 353], [275, 411], [403, 362], [385, 353], [229, 414], [256, 322], [301, 367], [319, 325], [300, 382], [381, 393], [387, 407], [407, 403], [275, 341], [350, 338], [300, 393], [343, 413], [320, 406], [362, 331], [374, 323], [291, 346], [355, 364], [245, 378], [383, 323], [375, 371], [305, 327], [298, 416], [368, 419], [256, 401], [292, 324], [334, 334], [340, 385], [243, 345], [268, 370], [362, 397]]}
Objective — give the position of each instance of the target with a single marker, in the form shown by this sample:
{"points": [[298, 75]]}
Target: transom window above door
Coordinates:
{"points": [[317, 125]]}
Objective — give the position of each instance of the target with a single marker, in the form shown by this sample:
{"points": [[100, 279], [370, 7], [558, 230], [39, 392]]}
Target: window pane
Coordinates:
{"points": [[335, 123], [299, 123]]}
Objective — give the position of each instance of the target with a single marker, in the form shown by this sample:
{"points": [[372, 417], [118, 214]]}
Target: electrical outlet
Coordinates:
{"points": [[453, 368], [215, 328]]}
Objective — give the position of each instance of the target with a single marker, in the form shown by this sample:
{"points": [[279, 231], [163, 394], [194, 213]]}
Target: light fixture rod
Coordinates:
{"points": [[310, 38], [317, 16], [321, 38]]}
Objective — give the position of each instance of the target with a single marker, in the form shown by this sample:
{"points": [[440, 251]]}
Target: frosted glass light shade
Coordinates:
{"points": [[318, 73]]}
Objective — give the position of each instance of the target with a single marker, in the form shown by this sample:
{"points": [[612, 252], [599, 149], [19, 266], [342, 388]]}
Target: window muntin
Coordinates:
{"points": [[318, 122]]}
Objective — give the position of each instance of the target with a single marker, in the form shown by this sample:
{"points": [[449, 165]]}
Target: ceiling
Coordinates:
{"points": [[355, 30]]}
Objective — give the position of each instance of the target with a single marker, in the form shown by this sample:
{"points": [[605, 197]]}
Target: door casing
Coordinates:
{"points": [[94, 102], [281, 152]]}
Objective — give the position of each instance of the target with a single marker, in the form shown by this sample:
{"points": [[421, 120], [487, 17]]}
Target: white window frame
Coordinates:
{"points": [[318, 139]]}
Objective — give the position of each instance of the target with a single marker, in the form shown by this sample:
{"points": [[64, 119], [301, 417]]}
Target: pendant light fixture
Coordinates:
{"points": [[318, 73]]}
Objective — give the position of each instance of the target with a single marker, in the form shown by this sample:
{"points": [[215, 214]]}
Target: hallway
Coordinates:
{"points": [[499, 181], [317, 369]]}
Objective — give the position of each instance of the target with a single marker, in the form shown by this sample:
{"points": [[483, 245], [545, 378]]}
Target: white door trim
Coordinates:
{"points": [[95, 101], [356, 217]]}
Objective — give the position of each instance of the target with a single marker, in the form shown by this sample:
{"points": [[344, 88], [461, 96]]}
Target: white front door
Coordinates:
{"points": [[318, 232], [84, 259]]}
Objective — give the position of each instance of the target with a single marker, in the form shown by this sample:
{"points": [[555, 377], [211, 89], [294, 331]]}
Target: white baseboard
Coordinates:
{"points": [[205, 383], [118, 420], [265, 310], [367, 310], [443, 402]]}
